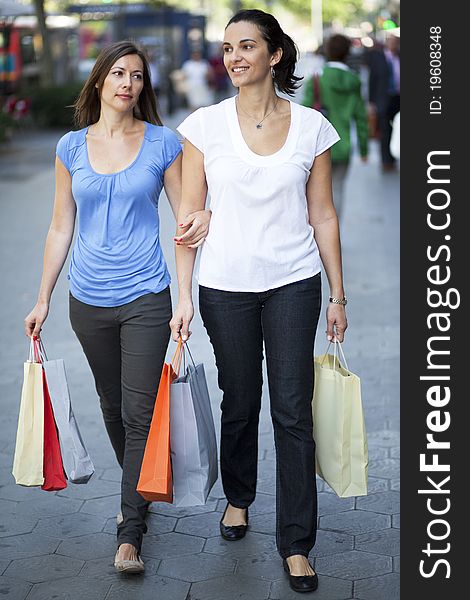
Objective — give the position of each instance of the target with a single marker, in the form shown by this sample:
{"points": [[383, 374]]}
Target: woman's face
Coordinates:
{"points": [[124, 83], [246, 55]]}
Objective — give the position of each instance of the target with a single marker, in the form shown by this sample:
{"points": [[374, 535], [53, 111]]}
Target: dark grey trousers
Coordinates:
{"points": [[125, 347]]}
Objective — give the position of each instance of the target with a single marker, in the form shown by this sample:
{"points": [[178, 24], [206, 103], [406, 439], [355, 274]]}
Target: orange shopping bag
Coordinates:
{"points": [[156, 481]]}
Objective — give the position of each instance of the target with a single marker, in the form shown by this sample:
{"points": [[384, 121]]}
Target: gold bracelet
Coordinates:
{"points": [[342, 301]]}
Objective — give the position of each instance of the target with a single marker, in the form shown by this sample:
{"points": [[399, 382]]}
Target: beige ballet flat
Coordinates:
{"points": [[129, 566]]}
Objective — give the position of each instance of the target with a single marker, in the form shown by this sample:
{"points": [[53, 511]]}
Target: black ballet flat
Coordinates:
{"points": [[232, 533], [301, 583]]}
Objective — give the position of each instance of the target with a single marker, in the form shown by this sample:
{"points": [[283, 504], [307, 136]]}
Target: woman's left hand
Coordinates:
{"points": [[195, 227], [336, 322]]}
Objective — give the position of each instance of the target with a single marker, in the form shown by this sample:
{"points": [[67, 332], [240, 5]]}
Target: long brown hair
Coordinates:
{"points": [[88, 104]]}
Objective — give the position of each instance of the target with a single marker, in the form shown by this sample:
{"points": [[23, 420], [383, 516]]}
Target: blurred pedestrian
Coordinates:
{"points": [[265, 163], [219, 81], [395, 137], [197, 71], [384, 92], [339, 91], [111, 172]]}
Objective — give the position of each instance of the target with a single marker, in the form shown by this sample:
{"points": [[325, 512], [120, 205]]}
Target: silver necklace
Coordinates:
{"points": [[259, 125]]}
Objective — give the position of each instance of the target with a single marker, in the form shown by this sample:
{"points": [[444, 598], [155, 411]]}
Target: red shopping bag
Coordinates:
{"points": [[53, 469], [156, 481]]}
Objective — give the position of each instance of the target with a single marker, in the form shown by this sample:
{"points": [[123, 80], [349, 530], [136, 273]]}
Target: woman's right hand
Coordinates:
{"points": [[35, 319], [181, 319]]}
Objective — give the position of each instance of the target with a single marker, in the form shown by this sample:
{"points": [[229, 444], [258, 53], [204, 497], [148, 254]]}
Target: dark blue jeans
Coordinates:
{"points": [[286, 319]]}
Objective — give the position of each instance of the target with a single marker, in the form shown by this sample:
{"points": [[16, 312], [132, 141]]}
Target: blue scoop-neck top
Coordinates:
{"points": [[117, 256]]}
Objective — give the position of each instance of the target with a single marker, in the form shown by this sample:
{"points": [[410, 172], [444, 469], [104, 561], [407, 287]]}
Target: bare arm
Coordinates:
{"points": [[57, 247], [195, 225], [193, 198], [323, 219]]}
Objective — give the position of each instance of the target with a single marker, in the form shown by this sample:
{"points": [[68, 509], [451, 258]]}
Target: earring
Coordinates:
{"points": [[273, 72]]}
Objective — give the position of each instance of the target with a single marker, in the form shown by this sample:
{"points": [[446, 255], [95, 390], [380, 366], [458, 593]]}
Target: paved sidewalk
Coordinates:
{"points": [[61, 545]]}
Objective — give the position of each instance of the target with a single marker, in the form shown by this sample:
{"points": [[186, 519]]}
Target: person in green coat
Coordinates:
{"points": [[339, 91]]}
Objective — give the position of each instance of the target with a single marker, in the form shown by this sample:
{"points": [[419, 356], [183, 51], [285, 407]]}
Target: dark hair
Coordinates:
{"points": [[337, 47], [88, 105], [275, 37]]}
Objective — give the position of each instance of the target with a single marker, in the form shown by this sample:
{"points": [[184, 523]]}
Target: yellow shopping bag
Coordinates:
{"points": [[338, 426], [29, 450]]}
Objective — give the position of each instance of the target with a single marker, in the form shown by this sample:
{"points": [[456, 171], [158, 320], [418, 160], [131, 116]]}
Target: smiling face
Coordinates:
{"points": [[124, 83], [246, 54]]}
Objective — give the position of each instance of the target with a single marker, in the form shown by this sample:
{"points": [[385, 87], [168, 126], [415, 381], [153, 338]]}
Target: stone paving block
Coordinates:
{"points": [[11, 491], [8, 507], [6, 477], [95, 488], [253, 544], [86, 547], [205, 525], [354, 565], [396, 521], [197, 567], [30, 544], [395, 485], [331, 542], [266, 566], [103, 507], [112, 474], [44, 568], [376, 484], [12, 589], [384, 502], [3, 565], [331, 503], [355, 522], [265, 523], [384, 437], [381, 542], [267, 480], [230, 587], [6, 459], [395, 452], [168, 545], [9, 525], [163, 508], [329, 588], [68, 526], [385, 586], [385, 467], [376, 452], [148, 588], [396, 564], [70, 588], [48, 506]]}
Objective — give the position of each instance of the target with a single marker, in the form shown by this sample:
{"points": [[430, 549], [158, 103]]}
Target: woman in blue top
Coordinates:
{"points": [[111, 172]]}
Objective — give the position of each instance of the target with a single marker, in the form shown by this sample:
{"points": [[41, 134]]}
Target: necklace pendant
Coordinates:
{"points": [[259, 126]]}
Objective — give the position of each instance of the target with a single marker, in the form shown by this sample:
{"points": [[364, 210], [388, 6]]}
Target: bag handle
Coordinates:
{"points": [[337, 345], [37, 353]]}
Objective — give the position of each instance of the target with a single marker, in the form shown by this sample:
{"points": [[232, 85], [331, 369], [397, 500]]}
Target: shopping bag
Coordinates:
{"points": [[53, 469], [29, 448], [155, 481], [193, 442], [76, 460], [338, 426]]}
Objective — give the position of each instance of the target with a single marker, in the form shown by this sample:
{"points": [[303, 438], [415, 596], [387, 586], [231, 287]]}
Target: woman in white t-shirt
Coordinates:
{"points": [[265, 163]]}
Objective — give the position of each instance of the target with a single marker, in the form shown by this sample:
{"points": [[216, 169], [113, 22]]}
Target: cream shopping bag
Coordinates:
{"points": [[29, 450], [338, 426]]}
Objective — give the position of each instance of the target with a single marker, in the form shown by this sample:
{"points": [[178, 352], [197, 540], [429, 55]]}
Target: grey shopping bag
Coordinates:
{"points": [[193, 442], [77, 463]]}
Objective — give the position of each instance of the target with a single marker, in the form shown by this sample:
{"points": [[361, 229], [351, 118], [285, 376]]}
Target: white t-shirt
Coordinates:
{"points": [[260, 237]]}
